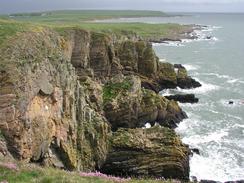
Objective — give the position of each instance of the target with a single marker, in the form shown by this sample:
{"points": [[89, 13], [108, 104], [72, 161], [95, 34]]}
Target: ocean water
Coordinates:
{"points": [[215, 127]]}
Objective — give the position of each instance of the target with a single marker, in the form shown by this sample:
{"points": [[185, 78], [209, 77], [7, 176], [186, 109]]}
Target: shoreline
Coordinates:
{"points": [[106, 98], [195, 33]]}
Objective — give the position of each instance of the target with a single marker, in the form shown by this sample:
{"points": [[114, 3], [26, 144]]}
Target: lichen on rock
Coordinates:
{"points": [[155, 152]]}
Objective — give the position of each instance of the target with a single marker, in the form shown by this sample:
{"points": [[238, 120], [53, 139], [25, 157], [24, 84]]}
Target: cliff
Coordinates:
{"points": [[78, 101]]}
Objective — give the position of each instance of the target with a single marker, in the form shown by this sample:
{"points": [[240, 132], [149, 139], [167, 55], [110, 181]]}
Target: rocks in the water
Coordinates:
{"points": [[187, 98], [231, 102], [194, 179], [195, 150], [154, 152], [179, 66], [209, 181], [209, 37], [237, 181], [183, 80], [188, 83]]}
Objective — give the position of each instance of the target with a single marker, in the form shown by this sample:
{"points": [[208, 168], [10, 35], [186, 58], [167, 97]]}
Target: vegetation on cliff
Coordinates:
{"points": [[112, 90], [13, 173]]}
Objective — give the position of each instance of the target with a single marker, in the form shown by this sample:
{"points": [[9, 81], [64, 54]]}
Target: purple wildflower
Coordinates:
{"points": [[104, 176], [10, 166], [4, 181]]}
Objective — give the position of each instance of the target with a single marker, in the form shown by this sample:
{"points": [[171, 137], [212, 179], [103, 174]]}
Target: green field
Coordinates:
{"points": [[62, 20], [83, 15]]}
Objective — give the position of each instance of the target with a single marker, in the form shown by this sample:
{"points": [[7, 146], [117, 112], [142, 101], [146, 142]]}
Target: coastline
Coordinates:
{"points": [[133, 91], [119, 99]]}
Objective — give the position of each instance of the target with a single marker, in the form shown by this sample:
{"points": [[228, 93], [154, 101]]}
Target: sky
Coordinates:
{"points": [[13, 6]]}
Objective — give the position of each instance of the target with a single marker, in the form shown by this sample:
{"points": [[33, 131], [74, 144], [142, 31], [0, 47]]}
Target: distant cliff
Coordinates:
{"points": [[79, 100]]}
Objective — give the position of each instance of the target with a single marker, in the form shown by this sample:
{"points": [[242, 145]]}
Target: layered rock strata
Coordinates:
{"points": [[64, 99]]}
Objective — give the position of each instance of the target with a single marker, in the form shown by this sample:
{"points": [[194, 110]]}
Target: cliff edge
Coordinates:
{"points": [[78, 101]]}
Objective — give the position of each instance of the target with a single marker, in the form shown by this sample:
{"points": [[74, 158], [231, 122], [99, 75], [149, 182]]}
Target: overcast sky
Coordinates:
{"points": [[10, 6]]}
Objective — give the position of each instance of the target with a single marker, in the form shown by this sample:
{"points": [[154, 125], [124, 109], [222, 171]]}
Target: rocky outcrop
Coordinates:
{"points": [[102, 56], [155, 152], [127, 105], [60, 96], [183, 80], [187, 98]]}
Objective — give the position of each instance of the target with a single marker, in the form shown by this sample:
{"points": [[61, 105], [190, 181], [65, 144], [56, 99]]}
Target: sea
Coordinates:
{"points": [[214, 126]]}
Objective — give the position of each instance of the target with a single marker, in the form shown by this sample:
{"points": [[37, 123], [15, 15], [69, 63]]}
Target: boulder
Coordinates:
{"points": [[195, 150], [155, 152]]}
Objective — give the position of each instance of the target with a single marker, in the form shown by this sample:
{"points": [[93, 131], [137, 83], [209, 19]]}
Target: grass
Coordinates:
{"points": [[83, 15], [9, 28], [112, 90], [144, 30], [50, 175], [63, 20]]}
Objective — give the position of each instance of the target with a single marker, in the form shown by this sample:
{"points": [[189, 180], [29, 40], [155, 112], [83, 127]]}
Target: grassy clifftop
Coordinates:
{"points": [[9, 28], [84, 15], [61, 20]]}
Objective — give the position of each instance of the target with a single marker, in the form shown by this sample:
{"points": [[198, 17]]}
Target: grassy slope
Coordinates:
{"points": [[50, 175]]}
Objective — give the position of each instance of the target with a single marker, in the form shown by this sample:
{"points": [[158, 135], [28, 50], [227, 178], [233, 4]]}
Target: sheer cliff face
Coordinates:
{"points": [[61, 96], [46, 114]]}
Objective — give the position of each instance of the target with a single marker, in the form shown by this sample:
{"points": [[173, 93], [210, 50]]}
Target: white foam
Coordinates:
{"points": [[192, 106], [205, 88], [190, 67], [235, 80], [232, 81], [217, 75], [214, 39], [166, 92], [215, 112], [187, 40], [172, 44], [217, 27], [169, 43], [148, 125], [195, 140], [162, 60], [215, 167]]}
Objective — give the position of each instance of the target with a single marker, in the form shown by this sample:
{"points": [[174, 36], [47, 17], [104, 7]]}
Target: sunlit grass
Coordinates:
{"points": [[34, 174]]}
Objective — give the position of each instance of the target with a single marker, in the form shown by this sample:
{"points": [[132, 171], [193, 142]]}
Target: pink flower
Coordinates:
{"points": [[10, 166], [104, 176], [4, 181]]}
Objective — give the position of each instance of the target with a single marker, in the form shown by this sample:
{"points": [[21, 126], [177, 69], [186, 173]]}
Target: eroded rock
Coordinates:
{"points": [[187, 98], [155, 152]]}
